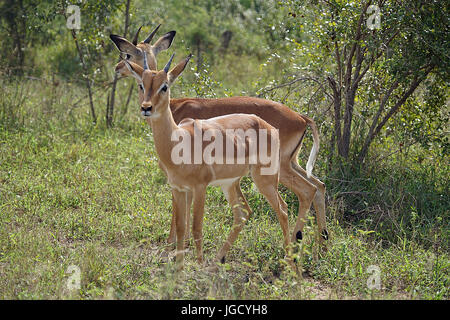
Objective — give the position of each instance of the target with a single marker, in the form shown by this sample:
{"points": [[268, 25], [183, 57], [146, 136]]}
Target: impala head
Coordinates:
{"points": [[155, 85], [134, 51]]}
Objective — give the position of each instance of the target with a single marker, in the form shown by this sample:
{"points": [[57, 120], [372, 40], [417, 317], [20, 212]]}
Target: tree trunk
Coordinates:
{"points": [[85, 75], [125, 109], [348, 117], [199, 55], [17, 27], [226, 38], [112, 98]]}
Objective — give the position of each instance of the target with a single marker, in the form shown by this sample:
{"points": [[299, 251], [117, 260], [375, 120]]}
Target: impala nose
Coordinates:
{"points": [[146, 111], [120, 67]]}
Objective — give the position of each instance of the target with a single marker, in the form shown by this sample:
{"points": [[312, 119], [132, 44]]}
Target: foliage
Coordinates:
{"points": [[75, 193], [371, 71]]}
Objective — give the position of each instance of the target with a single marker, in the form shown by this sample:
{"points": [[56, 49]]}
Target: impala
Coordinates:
{"points": [[134, 51], [291, 125], [189, 180]]}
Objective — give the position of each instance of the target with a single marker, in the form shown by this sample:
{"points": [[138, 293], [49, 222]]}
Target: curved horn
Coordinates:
{"points": [[145, 60], [150, 37], [136, 36], [166, 68]]}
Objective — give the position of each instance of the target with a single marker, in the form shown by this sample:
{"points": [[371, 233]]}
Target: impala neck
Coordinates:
{"points": [[162, 128]]}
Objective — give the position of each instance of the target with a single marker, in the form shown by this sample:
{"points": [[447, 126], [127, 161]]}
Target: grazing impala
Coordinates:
{"points": [[291, 125], [190, 178]]}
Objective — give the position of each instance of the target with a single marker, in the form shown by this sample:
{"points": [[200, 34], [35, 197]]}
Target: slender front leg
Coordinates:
{"points": [[172, 234], [197, 225], [182, 208], [187, 206]]}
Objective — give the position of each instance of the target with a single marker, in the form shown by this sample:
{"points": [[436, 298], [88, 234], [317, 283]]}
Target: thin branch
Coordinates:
{"points": [[355, 44], [337, 109], [403, 99], [374, 58], [338, 59], [128, 99], [374, 132], [286, 84]]}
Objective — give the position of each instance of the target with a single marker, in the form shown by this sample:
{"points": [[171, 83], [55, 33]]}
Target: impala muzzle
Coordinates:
{"points": [[146, 111]]}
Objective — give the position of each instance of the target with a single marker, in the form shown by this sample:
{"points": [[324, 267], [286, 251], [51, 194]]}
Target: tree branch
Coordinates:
{"points": [[286, 84], [339, 63], [370, 134], [414, 84], [112, 97], [337, 110], [374, 58], [355, 44]]}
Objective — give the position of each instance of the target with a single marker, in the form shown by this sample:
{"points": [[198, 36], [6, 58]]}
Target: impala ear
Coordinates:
{"points": [[178, 69], [125, 46], [136, 70], [164, 42]]}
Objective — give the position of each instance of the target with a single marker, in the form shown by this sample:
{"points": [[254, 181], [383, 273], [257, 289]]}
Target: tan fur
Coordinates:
{"points": [[189, 181], [136, 52], [292, 127]]}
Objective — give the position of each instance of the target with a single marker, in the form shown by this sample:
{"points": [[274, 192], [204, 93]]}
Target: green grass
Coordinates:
{"points": [[73, 194]]}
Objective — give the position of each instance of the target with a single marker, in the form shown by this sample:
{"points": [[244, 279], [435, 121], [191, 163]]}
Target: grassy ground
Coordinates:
{"points": [[83, 197]]}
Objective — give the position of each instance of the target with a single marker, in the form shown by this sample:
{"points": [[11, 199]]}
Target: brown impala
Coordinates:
{"points": [[189, 179], [291, 125]]}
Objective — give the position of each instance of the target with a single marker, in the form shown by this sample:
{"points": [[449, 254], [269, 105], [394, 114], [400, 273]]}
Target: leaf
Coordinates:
{"points": [[365, 232]]}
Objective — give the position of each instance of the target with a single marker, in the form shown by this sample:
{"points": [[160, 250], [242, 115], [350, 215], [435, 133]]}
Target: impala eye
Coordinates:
{"points": [[164, 88], [141, 87], [128, 57]]}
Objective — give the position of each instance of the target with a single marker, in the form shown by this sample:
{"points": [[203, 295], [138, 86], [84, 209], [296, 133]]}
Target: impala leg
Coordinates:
{"points": [[268, 187], [318, 202], [283, 204], [189, 197], [173, 229], [241, 213], [172, 233], [182, 210], [197, 225], [305, 192]]}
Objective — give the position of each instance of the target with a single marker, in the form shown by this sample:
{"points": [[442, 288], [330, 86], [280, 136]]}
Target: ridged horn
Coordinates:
{"points": [[136, 36], [150, 37], [166, 68]]}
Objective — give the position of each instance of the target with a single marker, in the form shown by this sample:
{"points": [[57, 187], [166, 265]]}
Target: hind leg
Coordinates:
{"points": [[283, 204], [241, 213], [268, 187], [305, 192], [318, 202]]}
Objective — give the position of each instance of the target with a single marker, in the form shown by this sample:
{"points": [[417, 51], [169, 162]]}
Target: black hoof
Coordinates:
{"points": [[299, 235], [222, 261], [325, 234]]}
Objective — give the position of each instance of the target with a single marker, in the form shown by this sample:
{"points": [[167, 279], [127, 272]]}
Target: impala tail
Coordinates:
{"points": [[315, 149]]}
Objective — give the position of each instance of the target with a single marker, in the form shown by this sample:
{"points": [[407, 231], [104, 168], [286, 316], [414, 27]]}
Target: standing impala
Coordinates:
{"points": [[190, 178], [134, 51], [291, 125]]}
